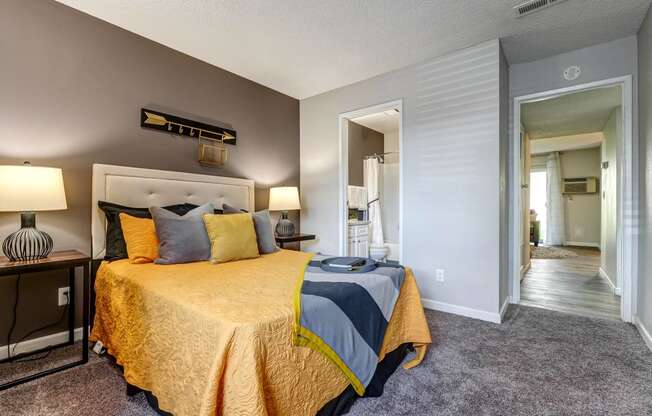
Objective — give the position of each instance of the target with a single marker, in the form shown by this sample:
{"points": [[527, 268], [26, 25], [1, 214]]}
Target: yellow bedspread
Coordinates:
{"points": [[211, 339]]}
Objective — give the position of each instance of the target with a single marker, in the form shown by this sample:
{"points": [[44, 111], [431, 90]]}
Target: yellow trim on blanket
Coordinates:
{"points": [[303, 337], [297, 294]]}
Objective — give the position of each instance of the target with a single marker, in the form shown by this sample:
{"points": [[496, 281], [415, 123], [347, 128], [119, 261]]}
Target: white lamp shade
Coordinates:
{"points": [[284, 198], [31, 188]]}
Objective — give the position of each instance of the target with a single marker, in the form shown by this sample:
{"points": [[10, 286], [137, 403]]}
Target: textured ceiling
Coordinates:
{"points": [[578, 113], [385, 122], [306, 47]]}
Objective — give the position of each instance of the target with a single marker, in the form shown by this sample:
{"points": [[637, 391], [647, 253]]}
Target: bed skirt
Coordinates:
{"points": [[339, 405]]}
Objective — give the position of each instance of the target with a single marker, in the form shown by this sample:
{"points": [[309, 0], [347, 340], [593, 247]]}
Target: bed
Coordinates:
{"points": [[209, 339]]}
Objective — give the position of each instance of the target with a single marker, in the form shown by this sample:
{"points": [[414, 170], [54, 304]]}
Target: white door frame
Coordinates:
{"points": [[627, 245], [344, 169]]}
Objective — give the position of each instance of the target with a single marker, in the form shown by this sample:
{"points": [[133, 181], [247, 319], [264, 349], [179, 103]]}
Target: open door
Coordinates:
{"points": [[525, 201]]}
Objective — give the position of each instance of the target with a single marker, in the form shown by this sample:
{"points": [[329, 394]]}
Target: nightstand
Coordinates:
{"points": [[67, 260], [293, 238]]}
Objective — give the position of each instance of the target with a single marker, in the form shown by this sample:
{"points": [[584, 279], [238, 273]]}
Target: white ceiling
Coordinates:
{"points": [[558, 144], [384, 122], [578, 113], [306, 47]]}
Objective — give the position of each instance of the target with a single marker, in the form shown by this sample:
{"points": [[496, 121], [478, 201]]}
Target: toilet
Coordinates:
{"points": [[379, 253]]}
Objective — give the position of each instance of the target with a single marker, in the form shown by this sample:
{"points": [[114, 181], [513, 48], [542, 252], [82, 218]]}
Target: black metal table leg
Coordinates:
{"points": [[85, 311], [61, 260], [71, 306]]}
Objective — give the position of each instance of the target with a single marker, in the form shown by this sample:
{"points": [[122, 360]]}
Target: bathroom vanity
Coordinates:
{"points": [[358, 242]]}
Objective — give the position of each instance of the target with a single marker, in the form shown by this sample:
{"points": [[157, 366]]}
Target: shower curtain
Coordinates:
{"points": [[555, 217], [372, 183]]}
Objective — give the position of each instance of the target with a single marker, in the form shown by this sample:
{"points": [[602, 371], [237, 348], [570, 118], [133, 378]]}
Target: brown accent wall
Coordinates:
{"points": [[363, 141], [71, 88]]}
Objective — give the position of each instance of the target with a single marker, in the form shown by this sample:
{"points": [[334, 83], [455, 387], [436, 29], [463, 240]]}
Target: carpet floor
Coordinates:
{"points": [[538, 362]]}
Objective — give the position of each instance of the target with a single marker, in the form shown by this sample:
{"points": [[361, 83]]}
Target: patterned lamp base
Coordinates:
{"points": [[284, 227], [28, 243]]}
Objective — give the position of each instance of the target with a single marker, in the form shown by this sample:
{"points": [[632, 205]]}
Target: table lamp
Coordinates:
{"points": [[27, 189], [284, 198]]}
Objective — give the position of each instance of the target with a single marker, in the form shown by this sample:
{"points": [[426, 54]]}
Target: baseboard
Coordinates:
{"points": [[503, 308], [461, 310], [41, 342], [604, 274], [582, 244], [645, 334], [525, 268]]}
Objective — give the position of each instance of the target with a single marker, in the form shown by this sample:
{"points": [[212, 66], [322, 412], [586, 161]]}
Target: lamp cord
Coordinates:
{"points": [[11, 351], [14, 316]]}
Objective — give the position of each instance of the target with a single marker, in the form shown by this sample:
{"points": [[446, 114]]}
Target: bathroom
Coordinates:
{"points": [[373, 223]]}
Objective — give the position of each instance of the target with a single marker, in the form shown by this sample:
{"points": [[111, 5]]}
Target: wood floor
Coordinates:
{"points": [[571, 285]]}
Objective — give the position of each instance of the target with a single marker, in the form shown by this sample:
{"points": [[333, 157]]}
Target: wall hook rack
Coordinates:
{"points": [[184, 127]]}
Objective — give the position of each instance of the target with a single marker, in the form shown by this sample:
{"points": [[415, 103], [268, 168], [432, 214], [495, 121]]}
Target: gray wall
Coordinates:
{"points": [[363, 141], [71, 90], [598, 62], [505, 207], [609, 186], [582, 211], [451, 174], [645, 241]]}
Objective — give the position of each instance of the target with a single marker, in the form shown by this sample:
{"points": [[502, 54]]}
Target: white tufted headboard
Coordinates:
{"points": [[142, 188]]}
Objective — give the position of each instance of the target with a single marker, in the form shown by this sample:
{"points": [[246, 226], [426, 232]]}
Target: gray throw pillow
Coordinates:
{"points": [[228, 209], [264, 232], [182, 238], [264, 229]]}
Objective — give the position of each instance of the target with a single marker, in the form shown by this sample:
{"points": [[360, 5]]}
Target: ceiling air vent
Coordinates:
{"points": [[532, 6]]}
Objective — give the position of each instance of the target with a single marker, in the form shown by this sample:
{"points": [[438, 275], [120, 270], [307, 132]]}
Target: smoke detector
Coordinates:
{"points": [[572, 73], [532, 6]]}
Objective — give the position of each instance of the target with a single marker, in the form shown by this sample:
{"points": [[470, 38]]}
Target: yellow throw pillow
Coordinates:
{"points": [[140, 238], [233, 237]]}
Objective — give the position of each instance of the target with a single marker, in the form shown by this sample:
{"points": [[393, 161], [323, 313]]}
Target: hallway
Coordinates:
{"points": [[570, 285]]}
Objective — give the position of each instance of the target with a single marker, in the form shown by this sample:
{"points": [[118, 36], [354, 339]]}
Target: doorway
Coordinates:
{"points": [[371, 188], [565, 225], [538, 210]]}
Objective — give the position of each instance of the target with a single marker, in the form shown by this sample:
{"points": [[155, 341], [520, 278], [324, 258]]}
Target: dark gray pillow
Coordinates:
{"points": [[264, 232], [264, 229], [228, 209], [182, 238]]}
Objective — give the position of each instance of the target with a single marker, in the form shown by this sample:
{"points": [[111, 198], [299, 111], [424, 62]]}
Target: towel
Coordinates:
{"points": [[357, 196]]}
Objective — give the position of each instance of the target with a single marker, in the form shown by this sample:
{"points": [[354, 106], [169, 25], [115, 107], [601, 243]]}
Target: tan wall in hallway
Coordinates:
{"points": [[582, 211], [612, 135]]}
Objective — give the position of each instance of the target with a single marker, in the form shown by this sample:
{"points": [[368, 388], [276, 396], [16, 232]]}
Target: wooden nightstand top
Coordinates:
{"points": [[56, 259], [294, 238]]}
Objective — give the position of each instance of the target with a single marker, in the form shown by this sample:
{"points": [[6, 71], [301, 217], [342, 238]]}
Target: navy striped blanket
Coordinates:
{"points": [[345, 315]]}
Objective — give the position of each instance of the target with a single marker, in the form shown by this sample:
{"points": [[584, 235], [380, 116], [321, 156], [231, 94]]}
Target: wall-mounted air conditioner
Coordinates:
{"points": [[587, 185]]}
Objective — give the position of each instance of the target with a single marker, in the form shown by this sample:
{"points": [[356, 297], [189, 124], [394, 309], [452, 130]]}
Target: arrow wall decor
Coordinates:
{"points": [[178, 125]]}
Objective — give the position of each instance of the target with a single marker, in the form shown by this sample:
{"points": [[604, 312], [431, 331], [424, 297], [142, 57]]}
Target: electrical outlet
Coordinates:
{"points": [[64, 294], [439, 275]]}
